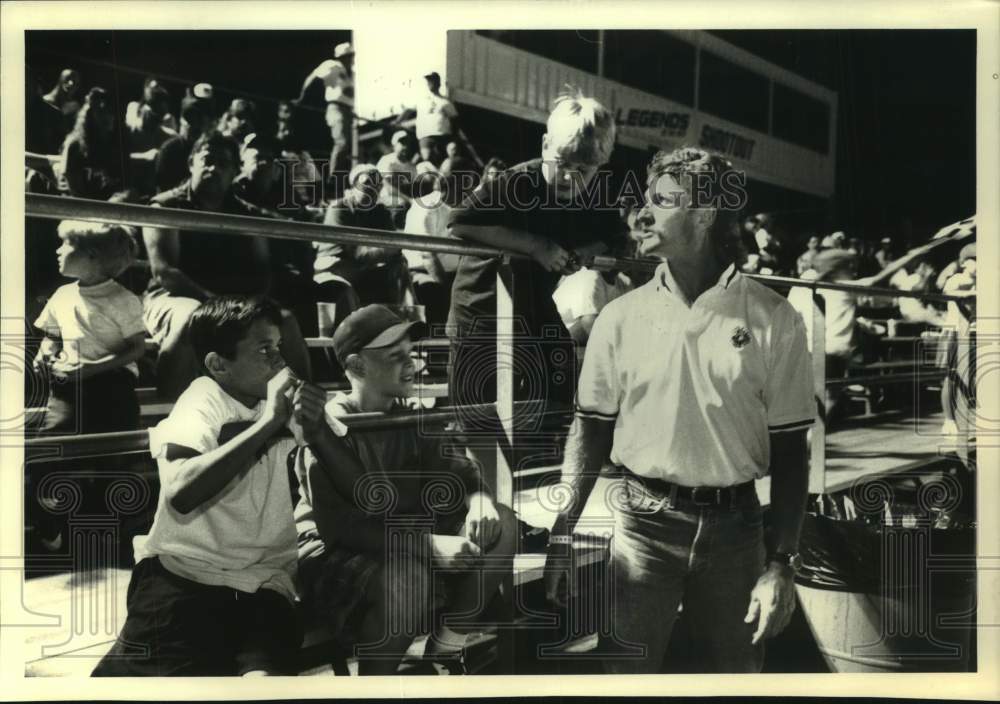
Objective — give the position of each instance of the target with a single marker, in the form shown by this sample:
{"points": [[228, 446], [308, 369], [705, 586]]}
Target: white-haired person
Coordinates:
{"points": [[93, 336], [556, 210]]}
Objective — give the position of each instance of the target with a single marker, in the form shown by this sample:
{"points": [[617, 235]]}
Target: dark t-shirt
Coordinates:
{"points": [[172, 163], [222, 263], [431, 477], [339, 259], [520, 199], [288, 257], [98, 174]]}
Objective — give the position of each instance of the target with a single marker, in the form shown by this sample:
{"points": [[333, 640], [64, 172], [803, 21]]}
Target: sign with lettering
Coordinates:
{"points": [[670, 124], [726, 142]]}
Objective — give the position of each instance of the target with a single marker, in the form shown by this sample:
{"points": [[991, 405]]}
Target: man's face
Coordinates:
{"points": [[813, 243], [69, 82], [665, 225], [391, 371], [426, 151], [399, 149], [258, 166], [212, 171], [284, 112], [568, 178], [238, 125], [368, 184], [258, 358]]}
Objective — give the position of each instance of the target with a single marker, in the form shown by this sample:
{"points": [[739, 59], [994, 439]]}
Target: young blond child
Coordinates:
{"points": [[93, 333]]}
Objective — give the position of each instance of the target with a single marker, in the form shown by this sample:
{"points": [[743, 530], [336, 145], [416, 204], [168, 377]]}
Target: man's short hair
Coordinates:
{"points": [[359, 169], [215, 141], [218, 324], [581, 127], [114, 245], [682, 164]]}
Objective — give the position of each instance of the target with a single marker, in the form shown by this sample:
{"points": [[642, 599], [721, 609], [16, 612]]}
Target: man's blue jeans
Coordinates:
{"points": [[705, 558]]}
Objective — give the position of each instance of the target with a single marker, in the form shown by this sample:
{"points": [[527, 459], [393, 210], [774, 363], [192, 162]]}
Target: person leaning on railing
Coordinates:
{"points": [[536, 208]]}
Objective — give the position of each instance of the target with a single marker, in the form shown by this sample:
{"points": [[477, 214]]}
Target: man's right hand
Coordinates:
{"points": [[552, 257], [454, 552], [278, 406]]}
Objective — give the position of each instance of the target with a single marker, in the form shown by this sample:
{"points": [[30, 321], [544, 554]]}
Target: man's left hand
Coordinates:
{"points": [[772, 602], [482, 522]]}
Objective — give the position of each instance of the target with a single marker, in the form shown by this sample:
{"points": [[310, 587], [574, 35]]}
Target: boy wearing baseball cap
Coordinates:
{"points": [[356, 577]]}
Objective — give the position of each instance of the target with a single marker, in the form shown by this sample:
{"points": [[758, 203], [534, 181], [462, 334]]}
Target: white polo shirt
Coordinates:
{"points": [[694, 392]]}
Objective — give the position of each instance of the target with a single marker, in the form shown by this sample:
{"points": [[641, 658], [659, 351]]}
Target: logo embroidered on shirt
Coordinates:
{"points": [[740, 337]]}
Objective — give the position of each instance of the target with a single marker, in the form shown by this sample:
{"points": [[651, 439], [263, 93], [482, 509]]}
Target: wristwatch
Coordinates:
{"points": [[792, 560]]}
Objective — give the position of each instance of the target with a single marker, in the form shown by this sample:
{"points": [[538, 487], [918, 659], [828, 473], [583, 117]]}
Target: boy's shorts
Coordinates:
{"points": [[183, 628]]}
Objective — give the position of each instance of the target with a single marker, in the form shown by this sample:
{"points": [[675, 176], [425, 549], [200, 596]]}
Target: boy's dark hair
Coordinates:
{"points": [[218, 324], [215, 141]]}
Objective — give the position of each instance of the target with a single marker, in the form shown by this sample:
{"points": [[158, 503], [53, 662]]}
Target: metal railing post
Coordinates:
{"points": [[503, 479], [817, 443]]}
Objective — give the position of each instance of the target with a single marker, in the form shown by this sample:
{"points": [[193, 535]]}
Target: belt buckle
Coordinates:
{"points": [[708, 502]]}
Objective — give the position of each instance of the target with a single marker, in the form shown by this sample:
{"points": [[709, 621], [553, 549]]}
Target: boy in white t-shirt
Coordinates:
{"points": [[93, 337], [93, 333], [213, 589]]}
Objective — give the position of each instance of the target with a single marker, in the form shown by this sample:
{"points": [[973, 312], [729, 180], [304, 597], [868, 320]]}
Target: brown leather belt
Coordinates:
{"points": [[720, 497]]}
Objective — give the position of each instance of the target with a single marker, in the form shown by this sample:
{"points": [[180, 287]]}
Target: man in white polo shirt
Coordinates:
{"points": [[694, 385]]}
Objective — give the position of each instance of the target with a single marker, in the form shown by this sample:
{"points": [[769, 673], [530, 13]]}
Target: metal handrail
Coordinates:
{"points": [[136, 442], [66, 208]]}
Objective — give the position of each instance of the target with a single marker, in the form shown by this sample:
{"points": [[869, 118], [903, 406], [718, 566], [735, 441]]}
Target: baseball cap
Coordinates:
{"points": [[886, 240], [370, 328], [968, 252], [398, 136], [205, 91], [831, 260], [343, 49], [433, 74], [197, 102]]}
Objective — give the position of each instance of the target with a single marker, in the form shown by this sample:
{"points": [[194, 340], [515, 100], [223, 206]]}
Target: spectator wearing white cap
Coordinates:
{"points": [[338, 81], [397, 177]]}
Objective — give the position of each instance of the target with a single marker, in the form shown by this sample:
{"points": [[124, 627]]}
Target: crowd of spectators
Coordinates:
{"points": [[188, 290]]}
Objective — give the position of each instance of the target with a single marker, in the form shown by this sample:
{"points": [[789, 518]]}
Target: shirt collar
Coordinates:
{"points": [[665, 279]]}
